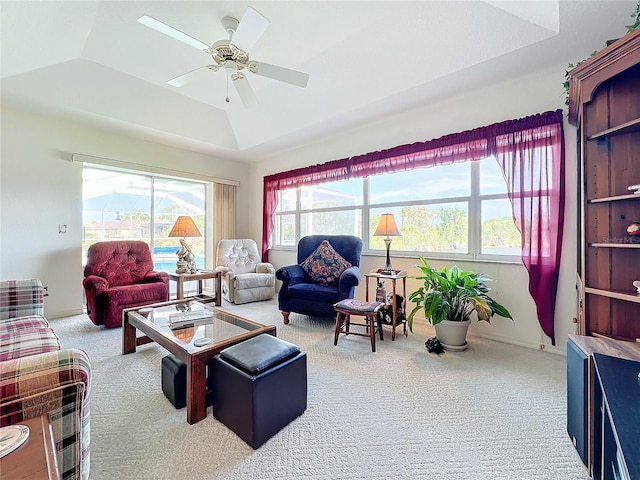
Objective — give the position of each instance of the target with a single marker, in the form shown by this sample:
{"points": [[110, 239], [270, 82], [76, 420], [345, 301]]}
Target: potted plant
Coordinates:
{"points": [[448, 297]]}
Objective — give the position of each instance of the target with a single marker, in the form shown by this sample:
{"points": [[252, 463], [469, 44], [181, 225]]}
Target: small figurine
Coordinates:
{"points": [[181, 267], [634, 229], [381, 293], [186, 259]]}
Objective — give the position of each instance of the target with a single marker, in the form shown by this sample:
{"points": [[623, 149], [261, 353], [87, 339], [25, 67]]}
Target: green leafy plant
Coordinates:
{"points": [[453, 294], [566, 84], [636, 16]]}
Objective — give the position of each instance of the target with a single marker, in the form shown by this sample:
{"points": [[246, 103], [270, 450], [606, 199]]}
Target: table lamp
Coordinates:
{"points": [[185, 227], [387, 227]]}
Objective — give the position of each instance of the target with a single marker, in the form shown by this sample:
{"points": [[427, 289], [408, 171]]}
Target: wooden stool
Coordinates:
{"points": [[345, 308]]}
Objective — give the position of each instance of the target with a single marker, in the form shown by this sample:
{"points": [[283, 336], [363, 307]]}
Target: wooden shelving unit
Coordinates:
{"points": [[604, 104]]}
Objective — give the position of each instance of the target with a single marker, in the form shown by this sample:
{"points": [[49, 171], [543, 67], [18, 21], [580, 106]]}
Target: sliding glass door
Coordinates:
{"points": [[120, 205]]}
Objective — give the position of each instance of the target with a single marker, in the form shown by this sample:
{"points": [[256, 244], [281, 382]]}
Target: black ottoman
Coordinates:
{"points": [[260, 386], [174, 381]]}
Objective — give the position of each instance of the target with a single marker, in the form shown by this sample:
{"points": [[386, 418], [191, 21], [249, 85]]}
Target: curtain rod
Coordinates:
{"points": [[110, 162]]}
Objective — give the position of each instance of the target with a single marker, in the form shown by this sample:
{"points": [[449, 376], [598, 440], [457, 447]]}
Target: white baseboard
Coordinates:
{"points": [[511, 341], [69, 313]]}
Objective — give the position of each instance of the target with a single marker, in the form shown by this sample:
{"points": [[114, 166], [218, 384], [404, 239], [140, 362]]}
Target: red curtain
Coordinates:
{"points": [[532, 162], [530, 152]]}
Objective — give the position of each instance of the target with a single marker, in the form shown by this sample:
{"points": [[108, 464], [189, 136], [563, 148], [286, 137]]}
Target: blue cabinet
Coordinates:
{"points": [[618, 440], [585, 422], [577, 399]]}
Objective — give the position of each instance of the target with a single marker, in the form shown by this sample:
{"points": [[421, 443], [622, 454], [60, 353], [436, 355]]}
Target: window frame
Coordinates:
{"points": [[474, 212]]}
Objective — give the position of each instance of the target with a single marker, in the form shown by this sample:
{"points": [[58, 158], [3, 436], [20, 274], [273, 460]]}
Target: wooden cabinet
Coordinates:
{"points": [[604, 103]]}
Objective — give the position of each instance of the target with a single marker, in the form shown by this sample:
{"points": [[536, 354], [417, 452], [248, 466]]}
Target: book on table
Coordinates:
{"points": [[180, 319], [178, 315]]}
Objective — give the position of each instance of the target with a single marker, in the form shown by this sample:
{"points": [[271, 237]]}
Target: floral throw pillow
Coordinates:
{"points": [[325, 265]]}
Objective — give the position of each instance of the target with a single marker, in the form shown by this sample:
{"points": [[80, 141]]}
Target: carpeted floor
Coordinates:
{"points": [[494, 411]]}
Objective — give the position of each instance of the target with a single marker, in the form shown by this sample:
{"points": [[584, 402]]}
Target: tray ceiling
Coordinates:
{"points": [[366, 59]]}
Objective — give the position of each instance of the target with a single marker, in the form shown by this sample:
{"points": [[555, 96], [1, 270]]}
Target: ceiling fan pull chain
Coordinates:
{"points": [[227, 99]]}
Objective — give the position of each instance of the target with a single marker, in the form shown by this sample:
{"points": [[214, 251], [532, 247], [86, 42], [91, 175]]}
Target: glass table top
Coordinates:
{"points": [[191, 323]]}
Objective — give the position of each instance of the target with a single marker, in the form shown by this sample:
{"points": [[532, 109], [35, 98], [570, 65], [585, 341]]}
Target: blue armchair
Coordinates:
{"points": [[307, 291]]}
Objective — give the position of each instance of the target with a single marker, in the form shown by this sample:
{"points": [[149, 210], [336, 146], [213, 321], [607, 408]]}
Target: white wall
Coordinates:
{"points": [[514, 98], [41, 188]]}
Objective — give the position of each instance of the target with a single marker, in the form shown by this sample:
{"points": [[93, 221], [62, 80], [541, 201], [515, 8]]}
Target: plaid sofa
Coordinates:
{"points": [[38, 377]]}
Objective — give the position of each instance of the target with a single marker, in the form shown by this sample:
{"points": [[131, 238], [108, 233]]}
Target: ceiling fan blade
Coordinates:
{"points": [[250, 29], [182, 80], [172, 32], [282, 74], [245, 91]]}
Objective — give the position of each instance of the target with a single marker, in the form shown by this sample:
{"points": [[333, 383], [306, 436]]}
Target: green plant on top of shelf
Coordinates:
{"points": [[635, 15]]}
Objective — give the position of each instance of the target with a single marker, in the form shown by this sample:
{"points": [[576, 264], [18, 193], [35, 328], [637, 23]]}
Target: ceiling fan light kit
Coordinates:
{"points": [[232, 54]]}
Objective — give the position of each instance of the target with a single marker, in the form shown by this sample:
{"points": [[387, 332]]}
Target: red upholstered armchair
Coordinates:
{"points": [[120, 275]]}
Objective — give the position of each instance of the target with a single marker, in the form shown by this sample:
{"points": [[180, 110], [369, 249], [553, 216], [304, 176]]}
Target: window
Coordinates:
{"points": [[460, 210], [530, 152], [498, 232], [431, 207], [120, 205]]}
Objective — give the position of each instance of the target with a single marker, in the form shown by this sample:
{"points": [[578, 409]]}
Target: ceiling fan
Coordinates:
{"points": [[232, 55]]}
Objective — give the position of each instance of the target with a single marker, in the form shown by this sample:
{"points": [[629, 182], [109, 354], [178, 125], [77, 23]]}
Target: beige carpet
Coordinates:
{"points": [[495, 411]]}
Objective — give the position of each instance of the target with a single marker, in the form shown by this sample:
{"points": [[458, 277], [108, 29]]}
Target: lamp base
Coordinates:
{"points": [[186, 259], [388, 270]]}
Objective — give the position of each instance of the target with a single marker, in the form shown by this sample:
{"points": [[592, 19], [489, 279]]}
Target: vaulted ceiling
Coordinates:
{"points": [[92, 60]]}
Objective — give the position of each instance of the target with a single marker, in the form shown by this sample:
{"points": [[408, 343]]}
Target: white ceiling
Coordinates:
{"points": [[92, 60]]}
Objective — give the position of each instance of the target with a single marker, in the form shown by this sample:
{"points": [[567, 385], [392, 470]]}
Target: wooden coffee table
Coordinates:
{"points": [[224, 328]]}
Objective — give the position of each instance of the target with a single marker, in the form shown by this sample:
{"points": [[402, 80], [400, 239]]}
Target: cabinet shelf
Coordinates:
{"points": [[615, 245], [626, 295], [615, 198], [627, 127]]}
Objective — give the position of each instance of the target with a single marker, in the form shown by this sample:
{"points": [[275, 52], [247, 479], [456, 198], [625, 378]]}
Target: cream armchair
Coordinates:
{"points": [[245, 277]]}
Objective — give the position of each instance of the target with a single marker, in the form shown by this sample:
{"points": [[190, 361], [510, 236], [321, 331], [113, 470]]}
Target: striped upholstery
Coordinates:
{"points": [[36, 377]]}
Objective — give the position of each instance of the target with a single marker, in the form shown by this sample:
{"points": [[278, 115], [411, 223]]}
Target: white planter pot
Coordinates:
{"points": [[453, 335]]}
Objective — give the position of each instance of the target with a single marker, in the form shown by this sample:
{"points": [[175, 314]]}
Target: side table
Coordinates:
{"points": [[181, 278], [36, 458], [399, 274]]}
